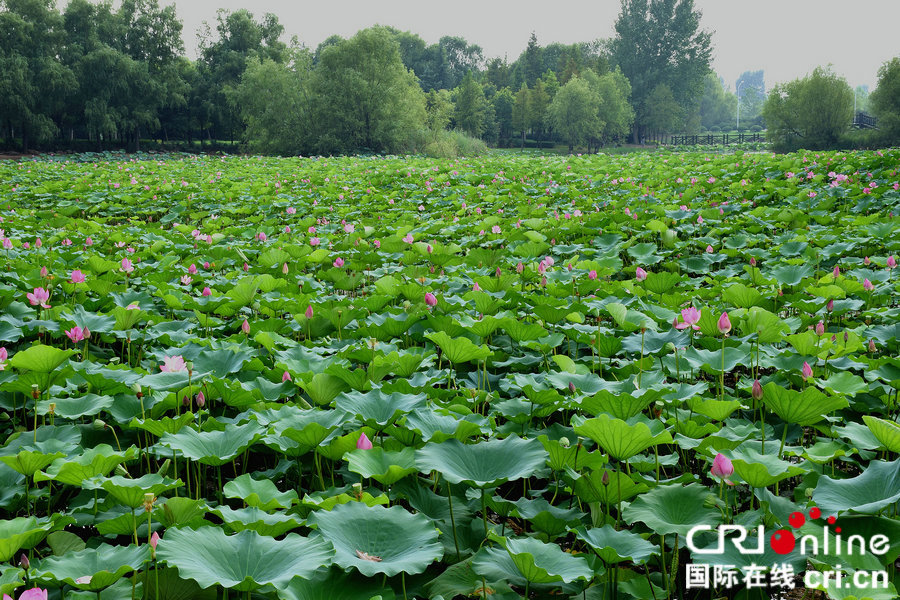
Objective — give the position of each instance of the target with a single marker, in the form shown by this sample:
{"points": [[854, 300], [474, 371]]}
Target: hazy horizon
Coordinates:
{"points": [[787, 39]]}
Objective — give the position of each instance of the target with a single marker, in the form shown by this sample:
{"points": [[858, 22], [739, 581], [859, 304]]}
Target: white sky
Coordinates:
{"points": [[785, 38]]}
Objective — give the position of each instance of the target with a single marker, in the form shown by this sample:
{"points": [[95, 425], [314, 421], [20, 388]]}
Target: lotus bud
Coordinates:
{"points": [[285, 377], [846, 337], [722, 466], [757, 390], [867, 285], [99, 424], [724, 324], [201, 400], [807, 371], [837, 272], [23, 562], [871, 345], [571, 387], [519, 268], [430, 299], [830, 306], [605, 478], [186, 401], [364, 443], [640, 274], [752, 261], [820, 328], [245, 326], [867, 261]]}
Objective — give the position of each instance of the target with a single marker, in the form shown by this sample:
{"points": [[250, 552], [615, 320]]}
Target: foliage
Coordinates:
{"points": [[574, 113], [811, 112], [885, 100]]}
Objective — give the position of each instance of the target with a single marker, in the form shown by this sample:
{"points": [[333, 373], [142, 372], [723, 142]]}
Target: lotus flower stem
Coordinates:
{"points": [[403, 583], [484, 514], [452, 520]]}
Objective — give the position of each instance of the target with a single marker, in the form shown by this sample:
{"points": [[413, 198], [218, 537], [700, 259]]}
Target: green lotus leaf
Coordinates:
{"points": [[40, 358], [876, 487], [668, 509], [99, 460], [27, 532], [459, 350], [531, 560], [335, 585], [269, 524], [162, 425], [887, 432], [213, 447], [259, 493], [322, 388], [845, 383], [485, 464], [378, 540], [77, 406], [29, 462], [590, 487], [309, 428], [62, 542], [762, 470], [437, 425], [103, 565], [803, 408], [385, 467], [614, 546], [378, 409], [630, 320], [619, 405], [243, 561], [130, 492], [11, 578], [619, 438]]}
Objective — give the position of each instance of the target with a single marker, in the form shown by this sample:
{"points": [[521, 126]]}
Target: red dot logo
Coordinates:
{"points": [[796, 520], [815, 513], [783, 541], [831, 520]]}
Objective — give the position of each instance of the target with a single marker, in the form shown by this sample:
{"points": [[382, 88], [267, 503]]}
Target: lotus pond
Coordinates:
{"points": [[505, 377]]}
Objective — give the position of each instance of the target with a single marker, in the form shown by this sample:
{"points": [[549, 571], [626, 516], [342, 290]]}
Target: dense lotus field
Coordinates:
{"points": [[506, 377]]}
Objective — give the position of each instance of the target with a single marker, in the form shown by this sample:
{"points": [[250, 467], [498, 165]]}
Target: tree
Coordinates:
{"points": [[811, 112], [750, 88], [574, 113], [538, 101], [497, 72], [717, 107], [438, 110], [503, 102], [532, 61], [616, 114], [470, 106], [460, 58], [659, 42], [366, 98], [275, 103], [521, 112], [885, 101], [661, 112]]}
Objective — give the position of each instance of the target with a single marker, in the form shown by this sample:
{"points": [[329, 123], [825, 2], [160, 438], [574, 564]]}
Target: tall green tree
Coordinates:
{"points": [[660, 42], [615, 112], [470, 106], [503, 102], [885, 101], [521, 112], [574, 113], [532, 61], [460, 58], [538, 102], [717, 107], [366, 99], [812, 112]]}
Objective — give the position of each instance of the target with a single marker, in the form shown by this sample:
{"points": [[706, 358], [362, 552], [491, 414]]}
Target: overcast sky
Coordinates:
{"points": [[785, 38]]}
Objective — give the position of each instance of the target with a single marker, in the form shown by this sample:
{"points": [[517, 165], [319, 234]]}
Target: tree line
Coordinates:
{"points": [[96, 76]]}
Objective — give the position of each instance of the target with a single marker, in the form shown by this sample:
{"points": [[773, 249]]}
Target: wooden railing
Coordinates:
{"points": [[717, 139]]}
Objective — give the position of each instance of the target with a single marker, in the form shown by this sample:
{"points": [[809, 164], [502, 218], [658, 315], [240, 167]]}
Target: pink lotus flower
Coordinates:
{"points": [[363, 443], [640, 274], [77, 276], [127, 266], [722, 466], [339, 262], [206, 291], [709, 249], [84, 579], [7, 243], [201, 400], [700, 219], [752, 261], [430, 299], [724, 324], [349, 228], [690, 317], [867, 261], [476, 287], [38, 243], [314, 241], [757, 390], [891, 262], [592, 274], [40, 296], [261, 236], [867, 285], [33, 594], [77, 334], [245, 326], [173, 364], [377, 244], [309, 311], [3, 356], [291, 210], [192, 269], [44, 272], [408, 238], [807, 371], [495, 229], [519, 268], [287, 228], [871, 345], [285, 377], [154, 539], [88, 241], [186, 279], [830, 305], [284, 269], [820, 328], [837, 272]]}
